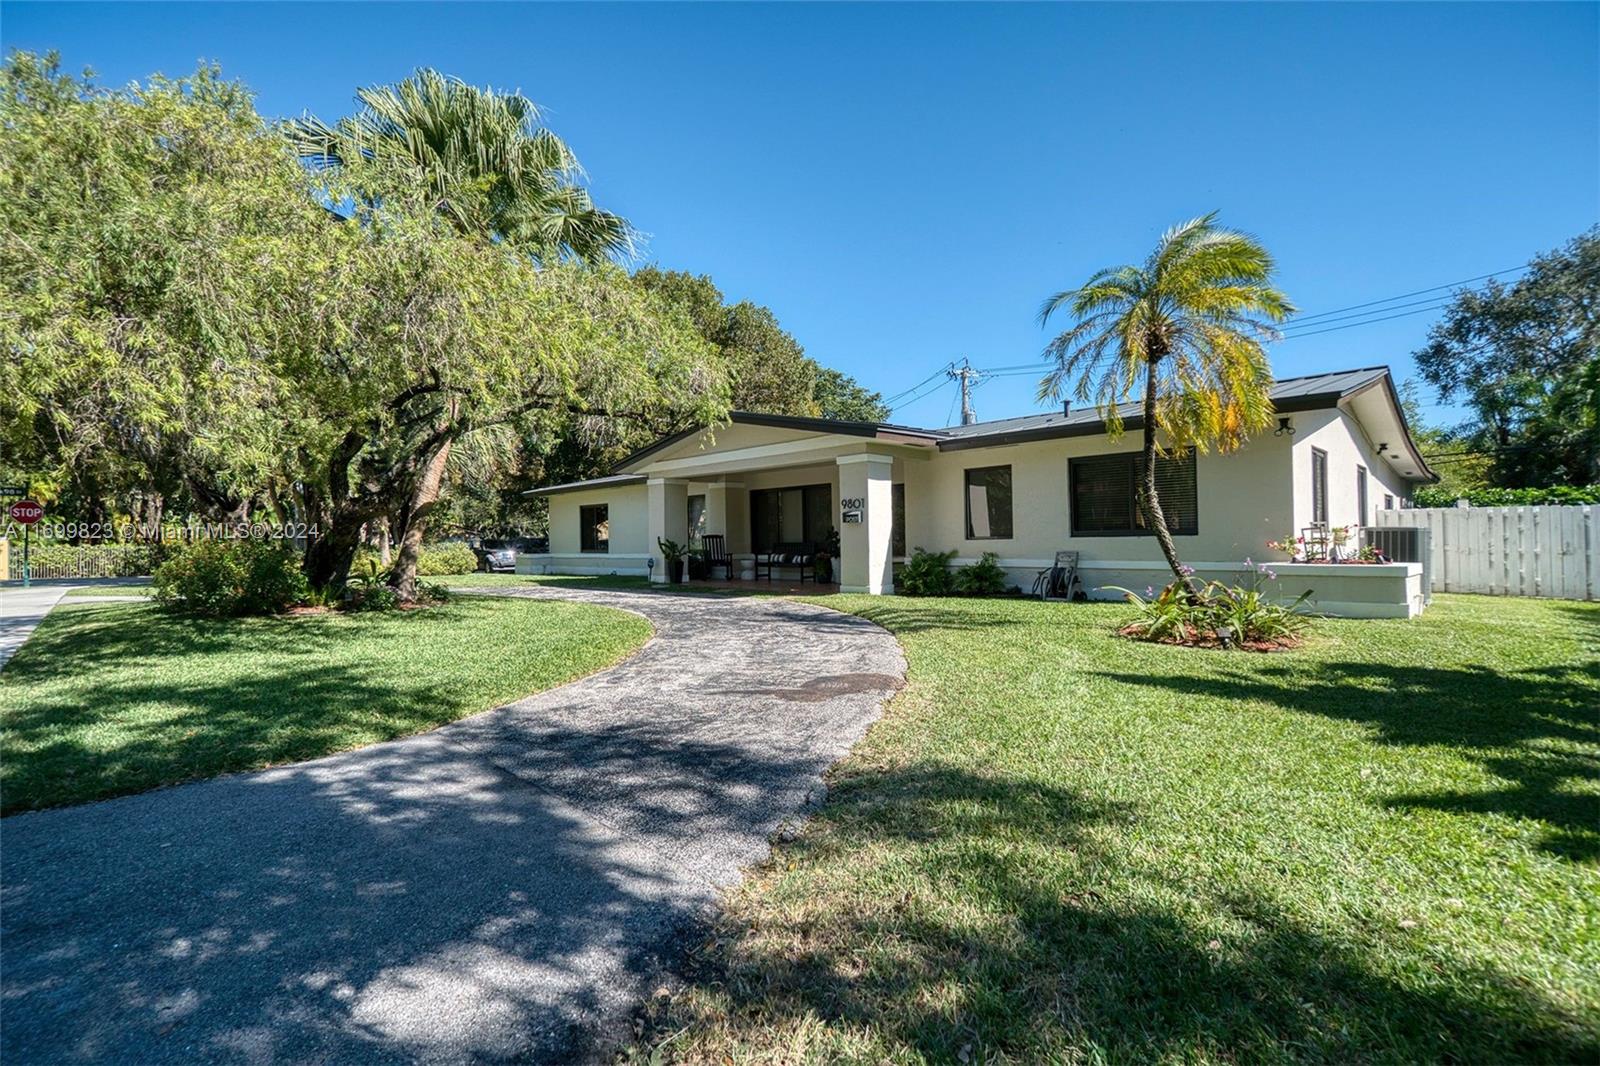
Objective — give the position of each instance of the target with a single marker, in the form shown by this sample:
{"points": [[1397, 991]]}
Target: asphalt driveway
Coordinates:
{"points": [[501, 889]]}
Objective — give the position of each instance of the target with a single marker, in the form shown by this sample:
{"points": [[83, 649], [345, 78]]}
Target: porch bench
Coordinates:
{"points": [[801, 556]]}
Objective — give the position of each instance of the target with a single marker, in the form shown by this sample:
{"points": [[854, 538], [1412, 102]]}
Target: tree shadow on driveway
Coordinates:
{"points": [[409, 902]]}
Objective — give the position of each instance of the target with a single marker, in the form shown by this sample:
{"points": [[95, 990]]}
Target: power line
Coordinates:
{"points": [[1407, 295], [1366, 322], [889, 400]]}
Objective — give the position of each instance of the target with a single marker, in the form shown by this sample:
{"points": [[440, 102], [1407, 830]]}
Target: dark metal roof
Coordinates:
{"points": [[1308, 392], [593, 483], [1288, 394]]}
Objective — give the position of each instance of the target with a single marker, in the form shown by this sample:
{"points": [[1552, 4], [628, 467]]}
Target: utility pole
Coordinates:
{"points": [[966, 375]]}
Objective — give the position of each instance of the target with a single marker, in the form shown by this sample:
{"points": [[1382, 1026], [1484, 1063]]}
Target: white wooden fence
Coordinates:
{"points": [[1553, 552]]}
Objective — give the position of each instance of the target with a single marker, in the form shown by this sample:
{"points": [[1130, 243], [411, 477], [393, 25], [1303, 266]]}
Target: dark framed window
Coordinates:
{"points": [[1388, 502], [697, 519], [1361, 495], [801, 514], [897, 530], [594, 527], [989, 503], [1319, 485], [1105, 494]]}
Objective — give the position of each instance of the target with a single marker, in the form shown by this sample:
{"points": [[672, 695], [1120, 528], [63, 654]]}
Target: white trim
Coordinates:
{"points": [[863, 457]]}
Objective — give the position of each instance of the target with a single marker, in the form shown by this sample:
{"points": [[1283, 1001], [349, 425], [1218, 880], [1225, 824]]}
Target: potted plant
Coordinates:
{"points": [[699, 568], [674, 554], [827, 552]]}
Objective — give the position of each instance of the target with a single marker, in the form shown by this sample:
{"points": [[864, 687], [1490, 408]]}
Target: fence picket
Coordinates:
{"points": [[1546, 551]]}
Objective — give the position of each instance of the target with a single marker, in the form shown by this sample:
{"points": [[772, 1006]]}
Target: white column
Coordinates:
{"points": [[668, 504], [866, 486]]}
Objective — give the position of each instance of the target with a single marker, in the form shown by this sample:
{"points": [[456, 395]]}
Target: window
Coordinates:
{"points": [[1361, 495], [802, 514], [1388, 502], [594, 528], [1105, 494], [1319, 486], [989, 503], [697, 519], [897, 529]]}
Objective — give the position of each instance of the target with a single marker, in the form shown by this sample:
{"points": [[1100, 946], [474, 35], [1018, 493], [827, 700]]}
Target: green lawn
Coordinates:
{"points": [[111, 698], [109, 590], [1062, 846]]}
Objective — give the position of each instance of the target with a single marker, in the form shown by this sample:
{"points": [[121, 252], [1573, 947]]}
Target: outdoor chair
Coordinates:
{"points": [[715, 546], [1058, 582], [802, 556]]}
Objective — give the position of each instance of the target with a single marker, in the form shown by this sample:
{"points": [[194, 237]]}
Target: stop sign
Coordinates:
{"points": [[27, 512]]}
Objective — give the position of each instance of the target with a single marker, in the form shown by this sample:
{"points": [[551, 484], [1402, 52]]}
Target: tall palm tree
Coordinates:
{"points": [[483, 157], [1186, 328]]}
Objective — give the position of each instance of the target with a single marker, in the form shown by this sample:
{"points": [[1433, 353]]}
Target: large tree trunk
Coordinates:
{"points": [[1149, 499], [424, 497]]}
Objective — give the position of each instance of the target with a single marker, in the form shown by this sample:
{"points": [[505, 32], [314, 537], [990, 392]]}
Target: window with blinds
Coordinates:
{"points": [[1361, 495], [1319, 486], [1105, 495]]}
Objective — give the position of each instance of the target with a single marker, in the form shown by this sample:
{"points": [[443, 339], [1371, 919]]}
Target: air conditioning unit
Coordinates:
{"points": [[1404, 544]]}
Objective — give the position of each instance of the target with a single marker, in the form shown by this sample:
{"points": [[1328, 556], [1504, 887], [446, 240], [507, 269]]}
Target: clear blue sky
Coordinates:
{"points": [[904, 184]]}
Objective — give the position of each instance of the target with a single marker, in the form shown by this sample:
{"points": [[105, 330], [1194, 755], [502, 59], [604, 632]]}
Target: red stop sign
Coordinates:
{"points": [[27, 512]]}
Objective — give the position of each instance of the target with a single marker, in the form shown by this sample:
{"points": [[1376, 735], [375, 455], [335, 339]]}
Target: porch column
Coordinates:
{"points": [[865, 486], [667, 500]]}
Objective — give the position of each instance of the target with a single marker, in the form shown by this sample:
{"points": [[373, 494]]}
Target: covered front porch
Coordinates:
{"points": [[766, 494]]}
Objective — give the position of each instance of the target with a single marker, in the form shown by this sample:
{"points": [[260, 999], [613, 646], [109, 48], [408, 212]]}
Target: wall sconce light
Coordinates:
{"points": [[1283, 427], [1382, 448]]}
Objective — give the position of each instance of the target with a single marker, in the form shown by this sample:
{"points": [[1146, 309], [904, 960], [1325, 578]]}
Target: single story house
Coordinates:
{"points": [[1022, 488]]}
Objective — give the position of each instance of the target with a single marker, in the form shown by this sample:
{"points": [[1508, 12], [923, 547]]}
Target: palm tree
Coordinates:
{"points": [[484, 159], [1187, 328]]}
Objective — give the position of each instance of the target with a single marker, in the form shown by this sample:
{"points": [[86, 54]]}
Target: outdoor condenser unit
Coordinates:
{"points": [[1404, 544]]}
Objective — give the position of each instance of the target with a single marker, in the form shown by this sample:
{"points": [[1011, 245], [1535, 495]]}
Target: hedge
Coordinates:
{"points": [[1553, 494]]}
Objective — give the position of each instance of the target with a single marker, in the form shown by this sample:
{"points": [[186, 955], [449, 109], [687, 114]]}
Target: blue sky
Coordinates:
{"points": [[904, 184]]}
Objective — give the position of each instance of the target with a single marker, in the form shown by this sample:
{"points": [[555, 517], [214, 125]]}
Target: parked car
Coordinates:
{"points": [[502, 554]]}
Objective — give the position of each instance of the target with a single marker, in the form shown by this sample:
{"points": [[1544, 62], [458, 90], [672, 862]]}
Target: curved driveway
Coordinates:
{"points": [[502, 888]]}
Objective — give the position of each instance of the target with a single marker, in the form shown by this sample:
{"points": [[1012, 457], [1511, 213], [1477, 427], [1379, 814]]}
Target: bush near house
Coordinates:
{"points": [[440, 559], [929, 574], [1551, 494], [220, 578]]}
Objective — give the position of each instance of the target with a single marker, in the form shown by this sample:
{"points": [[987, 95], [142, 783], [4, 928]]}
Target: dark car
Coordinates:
{"points": [[502, 554]]}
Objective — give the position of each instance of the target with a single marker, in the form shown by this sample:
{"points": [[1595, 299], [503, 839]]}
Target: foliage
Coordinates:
{"points": [[1526, 358], [439, 559], [221, 578], [838, 395], [127, 213], [672, 551], [111, 699], [982, 578], [926, 574], [1060, 846], [1229, 616], [483, 158], [368, 589], [769, 369], [179, 296], [1449, 453], [1184, 331], [1432, 496]]}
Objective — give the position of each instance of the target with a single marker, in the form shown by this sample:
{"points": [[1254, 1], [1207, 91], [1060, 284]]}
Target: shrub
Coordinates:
{"points": [[982, 578], [927, 574], [231, 577], [436, 560], [1230, 616], [1552, 494]]}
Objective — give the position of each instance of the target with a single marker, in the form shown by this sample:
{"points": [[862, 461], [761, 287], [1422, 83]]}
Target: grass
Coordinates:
{"points": [[92, 591], [1062, 846], [112, 698]]}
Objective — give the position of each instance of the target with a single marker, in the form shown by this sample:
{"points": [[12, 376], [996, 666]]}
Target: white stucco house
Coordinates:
{"points": [[1022, 488]]}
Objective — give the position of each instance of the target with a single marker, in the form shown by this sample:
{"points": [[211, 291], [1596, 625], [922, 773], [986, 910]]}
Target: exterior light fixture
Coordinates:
{"points": [[1283, 427]]}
